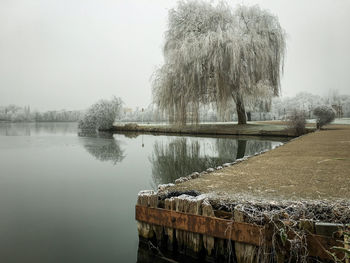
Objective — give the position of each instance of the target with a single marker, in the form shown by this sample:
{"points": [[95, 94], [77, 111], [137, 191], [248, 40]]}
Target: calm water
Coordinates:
{"points": [[66, 197]]}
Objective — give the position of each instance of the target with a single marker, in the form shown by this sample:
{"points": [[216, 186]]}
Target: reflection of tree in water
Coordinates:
{"points": [[102, 146], [255, 146], [228, 148], [238, 148], [182, 156], [178, 158]]}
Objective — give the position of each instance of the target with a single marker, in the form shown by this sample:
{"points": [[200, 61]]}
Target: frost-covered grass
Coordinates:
{"points": [[336, 121]]}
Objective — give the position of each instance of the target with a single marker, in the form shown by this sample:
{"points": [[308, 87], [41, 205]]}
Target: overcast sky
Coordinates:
{"points": [[66, 54]]}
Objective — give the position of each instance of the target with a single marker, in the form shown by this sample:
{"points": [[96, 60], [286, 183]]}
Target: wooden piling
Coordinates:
{"points": [[194, 240], [347, 243], [169, 204], [208, 241], [245, 253], [143, 199], [192, 224]]}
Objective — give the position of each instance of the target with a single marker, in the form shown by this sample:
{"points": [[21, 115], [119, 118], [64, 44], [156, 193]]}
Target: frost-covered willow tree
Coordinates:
{"points": [[217, 55]]}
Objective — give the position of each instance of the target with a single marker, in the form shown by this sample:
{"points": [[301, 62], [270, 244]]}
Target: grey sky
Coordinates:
{"points": [[57, 54]]}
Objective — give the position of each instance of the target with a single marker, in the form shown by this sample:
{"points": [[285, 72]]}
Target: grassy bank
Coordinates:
{"points": [[254, 128]]}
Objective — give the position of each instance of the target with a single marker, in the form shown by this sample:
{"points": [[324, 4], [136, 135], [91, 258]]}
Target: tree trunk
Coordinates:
{"points": [[249, 116], [242, 117]]}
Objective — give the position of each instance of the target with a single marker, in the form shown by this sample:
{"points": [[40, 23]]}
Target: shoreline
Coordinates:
{"points": [[301, 188], [251, 129]]}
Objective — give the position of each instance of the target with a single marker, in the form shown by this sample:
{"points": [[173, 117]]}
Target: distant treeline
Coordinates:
{"points": [[307, 102], [14, 113], [280, 109]]}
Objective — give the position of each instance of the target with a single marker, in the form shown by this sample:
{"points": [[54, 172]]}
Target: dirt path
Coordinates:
{"points": [[315, 166]]}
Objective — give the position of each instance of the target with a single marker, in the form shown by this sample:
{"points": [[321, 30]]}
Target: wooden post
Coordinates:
{"points": [[169, 204], [245, 253], [208, 241], [347, 243], [158, 230], [179, 207], [148, 199], [193, 204]]}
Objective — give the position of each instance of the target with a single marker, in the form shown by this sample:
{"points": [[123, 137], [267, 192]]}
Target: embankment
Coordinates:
{"points": [[253, 129], [291, 203]]}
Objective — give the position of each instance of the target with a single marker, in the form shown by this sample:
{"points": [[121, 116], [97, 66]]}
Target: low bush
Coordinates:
{"points": [[324, 115], [101, 115], [297, 121]]}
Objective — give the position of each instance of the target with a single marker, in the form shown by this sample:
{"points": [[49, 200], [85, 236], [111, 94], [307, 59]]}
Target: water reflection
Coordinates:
{"points": [[241, 146], [180, 156], [35, 128], [103, 146], [238, 148], [59, 188], [148, 254]]}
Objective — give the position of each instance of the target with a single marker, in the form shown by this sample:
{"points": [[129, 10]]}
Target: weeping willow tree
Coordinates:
{"points": [[216, 55]]}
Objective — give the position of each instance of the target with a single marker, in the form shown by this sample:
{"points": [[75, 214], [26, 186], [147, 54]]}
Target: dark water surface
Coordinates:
{"points": [[66, 197]]}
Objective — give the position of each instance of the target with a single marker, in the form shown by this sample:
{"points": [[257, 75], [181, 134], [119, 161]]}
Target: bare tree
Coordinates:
{"points": [[214, 54], [297, 122]]}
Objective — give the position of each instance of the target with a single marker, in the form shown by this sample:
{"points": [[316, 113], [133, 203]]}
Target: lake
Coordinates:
{"points": [[69, 197]]}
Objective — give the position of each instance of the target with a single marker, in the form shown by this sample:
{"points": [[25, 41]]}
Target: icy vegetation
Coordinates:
{"points": [[324, 114], [214, 54], [101, 115], [297, 121], [15, 113], [281, 108]]}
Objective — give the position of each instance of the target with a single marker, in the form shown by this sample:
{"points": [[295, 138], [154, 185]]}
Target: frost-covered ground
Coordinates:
{"points": [[166, 123], [313, 167], [336, 121]]}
